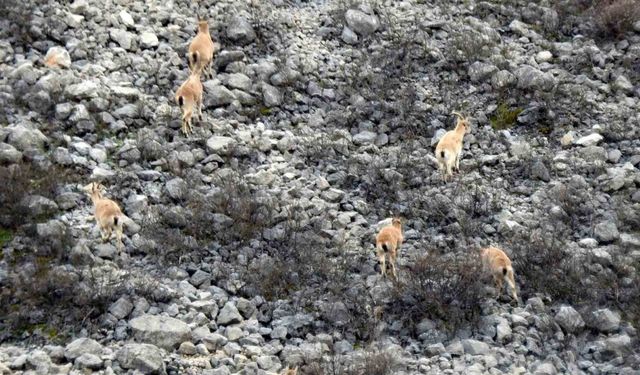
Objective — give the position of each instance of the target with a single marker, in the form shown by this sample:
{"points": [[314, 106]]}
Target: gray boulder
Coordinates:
{"points": [[148, 40], [534, 79], [9, 154], [361, 23], [162, 331], [219, 145], [25, 137], [271, 95], [229, 315], [81, 346], [605, 320], [89, 361], [569, 319], [240, 30], [145, 358], [218, 95], [479, 71], [606, 232], [121, 308], [475, 347]]}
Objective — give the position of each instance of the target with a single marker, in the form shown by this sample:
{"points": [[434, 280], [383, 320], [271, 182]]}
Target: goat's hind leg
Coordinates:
{"points": [[382, 261]]}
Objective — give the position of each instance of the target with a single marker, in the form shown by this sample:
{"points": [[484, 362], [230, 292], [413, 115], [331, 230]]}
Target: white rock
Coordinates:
{"points": [[148, 40], [543, 56], [126, 18], [589, 140]]}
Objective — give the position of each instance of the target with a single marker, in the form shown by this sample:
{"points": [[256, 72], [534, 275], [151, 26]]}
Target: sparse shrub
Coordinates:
{"points": [[446, 288], [470, 46], [47, 293], [21, 180], [313, 273], [504, 117], [614, 18]]}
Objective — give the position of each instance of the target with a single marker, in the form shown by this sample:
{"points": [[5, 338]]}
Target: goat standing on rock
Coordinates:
{"points": [[388, 242], [449, 147], [497, 264], [189, 97], [201, 50], [107, 213]]}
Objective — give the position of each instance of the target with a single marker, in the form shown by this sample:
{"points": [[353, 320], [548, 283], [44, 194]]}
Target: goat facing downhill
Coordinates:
{"points": [[449, 147], [496, 263], [201, 49], [107, 213], [189, 98], [388, 242]]}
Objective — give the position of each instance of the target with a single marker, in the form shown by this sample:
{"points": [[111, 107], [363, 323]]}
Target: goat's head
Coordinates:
{"points": [[93, 188], [463, 122]]}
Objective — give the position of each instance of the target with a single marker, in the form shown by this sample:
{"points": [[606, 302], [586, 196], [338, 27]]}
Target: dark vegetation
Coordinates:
{"points": [[43, 298], [443, 288]]}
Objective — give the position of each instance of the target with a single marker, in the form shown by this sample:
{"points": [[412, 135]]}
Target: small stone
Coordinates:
{"points": [[567, 139], [219, 145], [623, 85], [543, 56], [539, 171], [90, 361], [121, 308], [348, 36], [364, 138], [271, 95], [187, 348], [57, 57], [229, 315]]}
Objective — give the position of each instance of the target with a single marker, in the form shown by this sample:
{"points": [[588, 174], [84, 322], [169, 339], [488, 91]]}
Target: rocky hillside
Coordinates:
{"points": [[251, 243]]}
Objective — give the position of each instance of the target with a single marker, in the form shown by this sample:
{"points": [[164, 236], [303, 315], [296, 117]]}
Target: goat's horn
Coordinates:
{"points": [[458, 114]]}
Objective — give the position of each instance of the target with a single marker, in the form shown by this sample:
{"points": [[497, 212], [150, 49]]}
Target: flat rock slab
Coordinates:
{"points": [[163, 331]]}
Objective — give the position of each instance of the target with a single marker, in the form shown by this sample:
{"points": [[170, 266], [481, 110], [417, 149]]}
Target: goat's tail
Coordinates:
{"points": [[180, 100], [504, 271], [195, 55], [442, 153], [385, 248]]}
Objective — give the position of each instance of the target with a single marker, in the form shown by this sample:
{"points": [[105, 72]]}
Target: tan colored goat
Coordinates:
{"points": [[290, 371], [201, 50], [449, 147], [107, 213], [388, 242], [496, 263], [189, 98]]}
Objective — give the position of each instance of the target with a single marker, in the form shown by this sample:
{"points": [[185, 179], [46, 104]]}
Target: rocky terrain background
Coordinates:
{"points": [[251, 247]]}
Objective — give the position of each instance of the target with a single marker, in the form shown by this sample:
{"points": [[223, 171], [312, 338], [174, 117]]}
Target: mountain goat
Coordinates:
{"points": [[388, 242], [496, 263], [449, 147]]}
